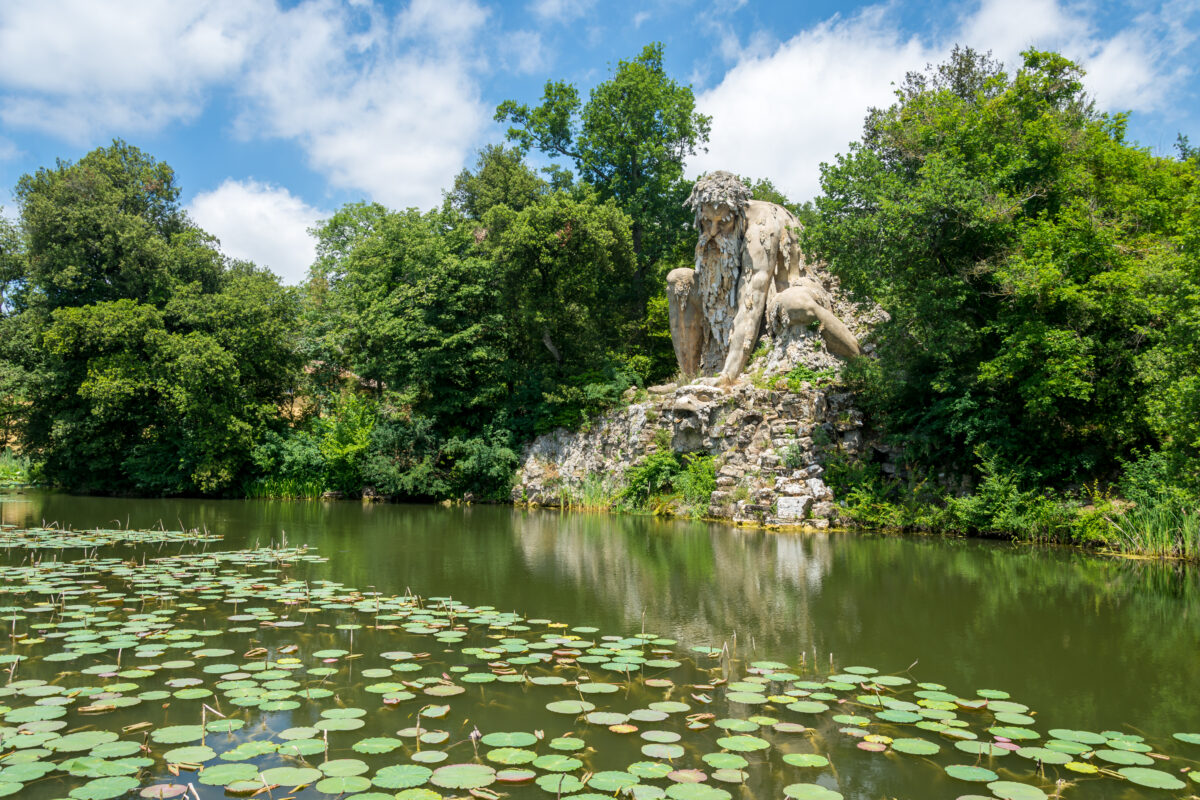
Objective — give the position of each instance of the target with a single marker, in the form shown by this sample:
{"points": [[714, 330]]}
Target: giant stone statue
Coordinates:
{"points": [[748, 268]]}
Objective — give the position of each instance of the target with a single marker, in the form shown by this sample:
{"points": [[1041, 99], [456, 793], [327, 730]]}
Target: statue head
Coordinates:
{"points": [[719, 200]]}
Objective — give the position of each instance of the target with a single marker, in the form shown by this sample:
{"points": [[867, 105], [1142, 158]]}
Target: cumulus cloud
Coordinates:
{"points": [[261, 223], [523, 52], [780, 114], [389, 106], [1136, 68], [780, 111], [76, 68], [560, 11], [382, 101]]}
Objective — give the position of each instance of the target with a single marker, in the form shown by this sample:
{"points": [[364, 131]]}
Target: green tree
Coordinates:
{"points": [[110, 227], [133, 398], [1028, 257], [12, 265], [142, 360], [1183, 146], [410, 306], [565, 267], [501, 177], [629, 141]]}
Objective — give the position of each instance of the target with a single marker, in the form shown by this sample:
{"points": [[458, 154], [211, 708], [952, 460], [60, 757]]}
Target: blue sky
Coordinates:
{"points": [[274, 114]]}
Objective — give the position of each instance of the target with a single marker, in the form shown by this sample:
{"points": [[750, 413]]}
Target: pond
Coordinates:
{"points": [[1057, 640]]}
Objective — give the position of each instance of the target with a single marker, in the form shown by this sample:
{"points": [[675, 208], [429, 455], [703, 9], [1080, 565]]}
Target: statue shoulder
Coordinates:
{"points": [[761, 212]]}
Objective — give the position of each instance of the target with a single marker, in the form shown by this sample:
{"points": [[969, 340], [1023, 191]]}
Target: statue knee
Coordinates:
{"points": [[680, 282], [794, 306]]}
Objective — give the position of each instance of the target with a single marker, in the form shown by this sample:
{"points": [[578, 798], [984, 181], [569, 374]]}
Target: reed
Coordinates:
{"points": [[1165, 530], [14, 469], [283, 489]]}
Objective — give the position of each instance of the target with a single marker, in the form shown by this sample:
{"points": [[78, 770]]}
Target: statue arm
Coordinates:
{"points": [[751, 309]]}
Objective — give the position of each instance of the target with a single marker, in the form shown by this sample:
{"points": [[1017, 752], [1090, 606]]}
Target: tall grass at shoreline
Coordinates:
{"points": [[14, 469], [283, 489], [1162, 530]]}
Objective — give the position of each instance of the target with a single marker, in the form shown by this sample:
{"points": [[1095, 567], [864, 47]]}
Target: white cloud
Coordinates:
{"points": [[390, 107], [386, 103], [447, 22], [781, 110], [640, 18], [560, 11], [779, 115], [261, 223], [524, 53], [75, 68], [1134, 69]]}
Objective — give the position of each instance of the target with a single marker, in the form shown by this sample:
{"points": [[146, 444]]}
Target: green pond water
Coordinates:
{"points": [[1094, 658]]}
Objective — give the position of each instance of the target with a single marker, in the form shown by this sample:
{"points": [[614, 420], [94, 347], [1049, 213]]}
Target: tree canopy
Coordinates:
{"points": [[142, 361], [1039, 272], [629, 141]]}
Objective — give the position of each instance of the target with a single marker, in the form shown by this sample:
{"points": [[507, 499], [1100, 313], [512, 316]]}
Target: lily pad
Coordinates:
{"points": [[104, 788], [1010, 790], [806, 760], [224, 774], [506, 739], [1152, 778], [915, 747], [343, 784], [401, 776], [810, 791], [743, 743], [291, 776], [973, 774], [464, 776], [572, 707]]}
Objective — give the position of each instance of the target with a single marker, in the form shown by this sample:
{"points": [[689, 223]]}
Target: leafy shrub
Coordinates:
{"points": [[407, 458], [653, 475], [402, 459], [345, 434], [1156, 478], [583, 396], [801, 374], [481, 465], [793, 456], [698, 480]]}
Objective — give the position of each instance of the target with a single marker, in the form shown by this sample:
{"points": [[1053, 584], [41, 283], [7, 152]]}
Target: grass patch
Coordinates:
{"points": [[999, 506], [593, 494], [1161, 529], [801, 374], [14, 469], [283, 489]]}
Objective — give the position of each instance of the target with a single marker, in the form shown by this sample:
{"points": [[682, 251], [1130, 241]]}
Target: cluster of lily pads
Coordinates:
{"points": [[227, 672], [55, 539]]}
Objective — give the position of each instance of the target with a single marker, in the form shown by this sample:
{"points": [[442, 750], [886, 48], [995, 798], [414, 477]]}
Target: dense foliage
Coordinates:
{"points": [[629, 142], [140, 359], [1040, 272], [470, 334]]}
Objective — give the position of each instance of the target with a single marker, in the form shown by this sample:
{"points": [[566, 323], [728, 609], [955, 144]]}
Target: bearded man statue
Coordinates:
{"points": [[748, 262]]}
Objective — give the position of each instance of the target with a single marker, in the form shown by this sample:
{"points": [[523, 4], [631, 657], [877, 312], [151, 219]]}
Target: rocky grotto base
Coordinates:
{"points": [[768, 445]]}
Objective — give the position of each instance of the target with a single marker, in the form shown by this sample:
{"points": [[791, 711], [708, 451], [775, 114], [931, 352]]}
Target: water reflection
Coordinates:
{"points": [[1089, 642]]}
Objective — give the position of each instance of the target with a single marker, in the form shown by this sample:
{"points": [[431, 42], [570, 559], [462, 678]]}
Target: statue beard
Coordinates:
{"points": [[718, 273]]}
